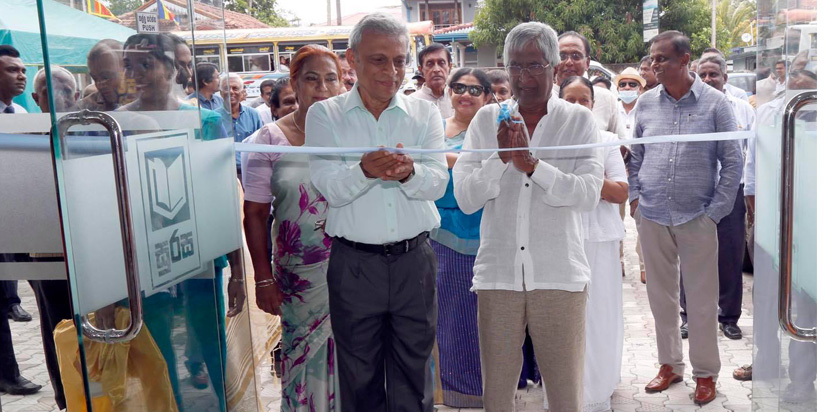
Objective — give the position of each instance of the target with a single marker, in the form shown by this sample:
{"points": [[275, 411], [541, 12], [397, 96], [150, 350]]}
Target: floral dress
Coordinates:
{"points": [[300, 261]]}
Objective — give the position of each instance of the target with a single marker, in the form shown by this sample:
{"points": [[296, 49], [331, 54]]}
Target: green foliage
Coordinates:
{"points": [[263, 10], [614, 26], [118, 7]]}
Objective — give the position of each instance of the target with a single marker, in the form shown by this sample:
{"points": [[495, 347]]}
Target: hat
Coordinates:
{"points": [[629, 73], [409, 86], [417, 75]]}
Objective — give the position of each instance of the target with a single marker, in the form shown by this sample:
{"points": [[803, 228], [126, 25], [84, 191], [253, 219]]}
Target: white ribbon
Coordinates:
{"points": [[704, 137]]}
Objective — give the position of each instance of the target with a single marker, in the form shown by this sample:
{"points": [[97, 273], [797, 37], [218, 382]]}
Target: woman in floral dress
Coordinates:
{"points": [[295, 285]]}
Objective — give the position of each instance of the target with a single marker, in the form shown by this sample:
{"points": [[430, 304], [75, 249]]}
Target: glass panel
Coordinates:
{"points": [[784, 369], [183, 220]]}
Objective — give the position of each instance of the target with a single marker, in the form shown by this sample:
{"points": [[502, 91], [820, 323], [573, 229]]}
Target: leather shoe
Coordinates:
{"points": [[731, 330], [19, 386], [17, 314], [684, 330], [744, 373], [663, 380], [705, 391]]}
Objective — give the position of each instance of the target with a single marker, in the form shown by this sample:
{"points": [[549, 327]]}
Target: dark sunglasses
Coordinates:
{"points": [[628, 84], [460, 88]]}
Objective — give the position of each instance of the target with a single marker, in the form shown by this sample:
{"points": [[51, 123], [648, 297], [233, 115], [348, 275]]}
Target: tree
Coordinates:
{"points": [[614, 27], [118, 7], [263, 10], [736, 17]]}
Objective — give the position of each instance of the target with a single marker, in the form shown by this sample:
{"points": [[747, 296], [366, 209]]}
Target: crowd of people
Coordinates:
{"points": [[405, 279]]}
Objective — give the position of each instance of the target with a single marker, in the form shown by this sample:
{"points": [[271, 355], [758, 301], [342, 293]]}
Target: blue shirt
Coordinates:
{"points": [[458, 231], [215, 103], [248, 122], [677, 182]]}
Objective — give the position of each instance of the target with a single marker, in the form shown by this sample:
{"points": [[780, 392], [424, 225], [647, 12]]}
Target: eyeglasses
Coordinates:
{"points": [[628, 84], [572, 56], [460, 88], [534, 69]]}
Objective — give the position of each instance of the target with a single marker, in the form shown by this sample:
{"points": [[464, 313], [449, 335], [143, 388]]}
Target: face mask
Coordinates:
{"points": [[628, 96]]}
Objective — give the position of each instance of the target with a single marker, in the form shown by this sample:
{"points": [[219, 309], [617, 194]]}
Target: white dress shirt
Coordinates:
{"points": [[266, 113], [627, 120], [444, 104], [745, 120], [531, 228], [736, 92], [18, 109], [604, 108], [371, 210], [605, 224]]}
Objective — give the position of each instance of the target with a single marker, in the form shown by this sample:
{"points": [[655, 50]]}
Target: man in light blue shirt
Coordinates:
{"points": [[381, 208], [241, 120], [681, 195], [208, 90]]}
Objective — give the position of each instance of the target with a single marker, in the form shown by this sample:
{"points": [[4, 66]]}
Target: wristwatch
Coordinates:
{"points": [[409, 176]]}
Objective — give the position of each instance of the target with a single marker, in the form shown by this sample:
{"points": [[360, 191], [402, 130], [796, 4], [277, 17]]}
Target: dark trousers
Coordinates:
{"points": [[54, 304], [730, 233], [8, 363], [383, 313], [9, 289]]}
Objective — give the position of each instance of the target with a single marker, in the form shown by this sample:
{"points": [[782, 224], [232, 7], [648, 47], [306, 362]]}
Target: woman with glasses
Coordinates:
{"points": [[456, 244], [603, 230]]}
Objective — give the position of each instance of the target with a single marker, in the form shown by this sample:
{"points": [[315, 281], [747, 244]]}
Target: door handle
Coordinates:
{"points": [[86, 117], [786, 220]]}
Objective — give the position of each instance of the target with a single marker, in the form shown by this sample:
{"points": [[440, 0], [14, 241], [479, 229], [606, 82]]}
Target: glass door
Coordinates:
{"points": [[785, 261], [147, 210]]}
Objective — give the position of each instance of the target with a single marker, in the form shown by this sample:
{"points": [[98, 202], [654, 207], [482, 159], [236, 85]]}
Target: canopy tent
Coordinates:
{"points": [[71, 33]]}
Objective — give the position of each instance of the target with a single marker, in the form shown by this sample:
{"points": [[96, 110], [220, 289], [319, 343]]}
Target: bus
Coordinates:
{"points": [[258, 54]]}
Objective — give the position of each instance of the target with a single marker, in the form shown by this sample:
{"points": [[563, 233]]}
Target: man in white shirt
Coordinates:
{"points": [[728, 89], [531, 270], [381, 208], [574, 50], [730, 231], [435, 63]]}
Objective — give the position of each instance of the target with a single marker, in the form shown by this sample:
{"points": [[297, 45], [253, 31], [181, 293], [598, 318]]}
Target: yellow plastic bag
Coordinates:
{"points": [[129, 376]]}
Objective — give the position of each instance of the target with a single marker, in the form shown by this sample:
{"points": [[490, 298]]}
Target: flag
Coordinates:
{"points": [[164, 13], [96, 8]]}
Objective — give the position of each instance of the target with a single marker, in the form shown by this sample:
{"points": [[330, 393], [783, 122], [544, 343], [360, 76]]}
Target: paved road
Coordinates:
{"points": [[639, 360]]}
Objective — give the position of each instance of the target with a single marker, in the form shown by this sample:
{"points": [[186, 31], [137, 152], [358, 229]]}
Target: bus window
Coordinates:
{"points": [[249, 58], [208, 54], [339, 46]]}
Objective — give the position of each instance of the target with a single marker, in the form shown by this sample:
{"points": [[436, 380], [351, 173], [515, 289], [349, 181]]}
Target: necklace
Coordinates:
{"points": [[296, 124]]}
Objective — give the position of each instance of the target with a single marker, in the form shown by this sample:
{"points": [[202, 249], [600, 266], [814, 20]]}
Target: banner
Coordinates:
{"points": [[650, 19]]}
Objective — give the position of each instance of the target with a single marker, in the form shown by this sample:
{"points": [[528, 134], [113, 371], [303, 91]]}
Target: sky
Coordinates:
{"points": [[315, 11]]}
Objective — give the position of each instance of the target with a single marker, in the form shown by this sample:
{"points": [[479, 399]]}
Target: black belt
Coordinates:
{"points": [[397, 248]]}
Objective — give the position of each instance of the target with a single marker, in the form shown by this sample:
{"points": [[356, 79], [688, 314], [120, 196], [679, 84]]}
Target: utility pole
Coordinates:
{"points": [[713, 25], [338, 9], [329, 12]]}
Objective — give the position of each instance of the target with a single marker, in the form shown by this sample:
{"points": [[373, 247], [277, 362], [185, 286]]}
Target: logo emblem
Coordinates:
{"points": [[168, 198]]}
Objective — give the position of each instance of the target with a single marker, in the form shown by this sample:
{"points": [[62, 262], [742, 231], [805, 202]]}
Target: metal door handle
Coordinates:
{"points": [[86, 117], [786, 220]]}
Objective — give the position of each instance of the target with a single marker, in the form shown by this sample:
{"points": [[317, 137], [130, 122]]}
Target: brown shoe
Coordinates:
{"points": [[705, 391], [643, 278], [663, 380], [744, 373]]}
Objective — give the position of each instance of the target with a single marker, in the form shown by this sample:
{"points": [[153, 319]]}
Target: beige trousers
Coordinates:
{"points": [[637, 217], [556, 322], [693, 247]]}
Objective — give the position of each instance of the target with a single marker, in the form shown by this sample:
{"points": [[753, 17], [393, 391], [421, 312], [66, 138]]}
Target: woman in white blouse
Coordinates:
{"points": [[602, 230]]}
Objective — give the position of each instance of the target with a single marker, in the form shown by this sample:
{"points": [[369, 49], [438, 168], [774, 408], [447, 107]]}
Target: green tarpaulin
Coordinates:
{"points": [[71, 33]]}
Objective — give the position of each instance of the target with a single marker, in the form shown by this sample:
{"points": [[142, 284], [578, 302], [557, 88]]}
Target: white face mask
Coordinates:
{"points": [[628, 96]]}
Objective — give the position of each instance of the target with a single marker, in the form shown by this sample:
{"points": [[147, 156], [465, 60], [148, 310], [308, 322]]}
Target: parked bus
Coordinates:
{"points": [[258, 54]]}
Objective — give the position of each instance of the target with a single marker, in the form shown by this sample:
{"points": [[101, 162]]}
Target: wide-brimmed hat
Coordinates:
{"points": [[629, 73]]}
